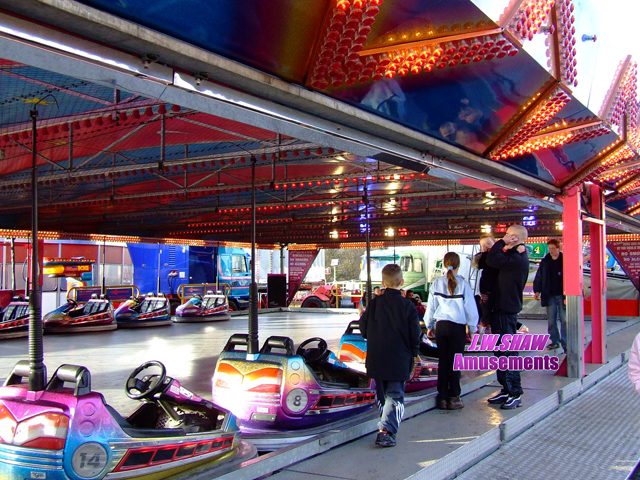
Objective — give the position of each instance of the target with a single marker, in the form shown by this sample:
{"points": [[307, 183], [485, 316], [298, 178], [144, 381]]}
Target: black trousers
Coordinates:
{"points": [[485, 318], [451, 340], [503, 324]]}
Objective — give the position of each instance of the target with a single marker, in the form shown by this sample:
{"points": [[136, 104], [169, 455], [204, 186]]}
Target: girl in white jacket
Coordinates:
{"points": [[450, 309]]}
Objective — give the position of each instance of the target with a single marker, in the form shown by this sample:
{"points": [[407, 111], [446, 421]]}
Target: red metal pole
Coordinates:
{"points": [[573, 282], [598, 279]]}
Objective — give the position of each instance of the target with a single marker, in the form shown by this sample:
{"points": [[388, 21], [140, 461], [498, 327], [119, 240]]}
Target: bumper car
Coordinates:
{"points": [[353, 351], [14, 319], [94, 316], [283, 390], [330, 296], [68, 432], [210, 308], [150, 310]]}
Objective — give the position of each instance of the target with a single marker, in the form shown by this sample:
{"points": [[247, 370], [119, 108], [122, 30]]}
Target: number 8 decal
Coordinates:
{"points": [[297, 400]]}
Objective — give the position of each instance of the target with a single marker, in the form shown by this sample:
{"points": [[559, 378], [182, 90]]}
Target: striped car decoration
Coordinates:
{"points": [[326, 402], [215, 310], [159, 313], [91, 318], [17, 323], [142, 457]]}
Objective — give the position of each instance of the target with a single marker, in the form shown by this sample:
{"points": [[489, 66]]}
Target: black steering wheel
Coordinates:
{"points": [[314, 356], [148, 386]]}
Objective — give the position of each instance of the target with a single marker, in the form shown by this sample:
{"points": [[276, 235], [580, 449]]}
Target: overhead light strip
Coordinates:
{"points": [[18, 29]]}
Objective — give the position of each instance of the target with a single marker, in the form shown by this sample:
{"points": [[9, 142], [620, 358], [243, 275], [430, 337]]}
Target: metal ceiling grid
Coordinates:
{"points": [[113, 164], [115, 178]]}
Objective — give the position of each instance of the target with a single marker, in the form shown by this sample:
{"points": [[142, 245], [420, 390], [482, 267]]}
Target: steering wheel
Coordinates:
{"points": [[72, 302], [335, 290], [148, 386], [314, 356]]}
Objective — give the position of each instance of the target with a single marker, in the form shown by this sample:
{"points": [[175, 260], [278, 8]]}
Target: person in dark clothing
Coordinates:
{"points": [[390, 325], [548, 287], [511, 258], [411, 296], [488, 280]]}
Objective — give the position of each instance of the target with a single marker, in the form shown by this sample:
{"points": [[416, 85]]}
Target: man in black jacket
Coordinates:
{"points": [[392, 329], [548, 286], [511, 258]]}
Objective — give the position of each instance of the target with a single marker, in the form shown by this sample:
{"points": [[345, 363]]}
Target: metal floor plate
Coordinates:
{"points": [[596, 436]]}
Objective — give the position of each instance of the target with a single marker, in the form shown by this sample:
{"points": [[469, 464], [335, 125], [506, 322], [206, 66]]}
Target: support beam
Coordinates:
{"points": [[178, 162], [593, 164], [30, 150], [520, 119], [431, 41], [303, 192], [613, 94], [555, 45], [513, 8], [573, 283], [223, 130], [597, 349], [564, 130], [621, 221]]}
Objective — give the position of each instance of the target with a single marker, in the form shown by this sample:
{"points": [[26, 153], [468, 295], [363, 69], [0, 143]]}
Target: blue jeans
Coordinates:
{"points": [[391, 404], [556, 310]]}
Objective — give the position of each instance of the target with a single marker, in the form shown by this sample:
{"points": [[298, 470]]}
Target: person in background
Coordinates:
{"points": [[415, 299], [548, 287], [511, 258], [420, 307], [488, 280], [410, 295], [392, 330], [451, 308], [376, 291]]}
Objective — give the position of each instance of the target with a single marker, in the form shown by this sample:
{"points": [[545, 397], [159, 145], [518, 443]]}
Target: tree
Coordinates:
{"points": [[349, 268]]}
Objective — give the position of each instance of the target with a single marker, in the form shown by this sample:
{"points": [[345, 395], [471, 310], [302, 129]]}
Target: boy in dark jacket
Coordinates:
{"points": [[511, 258], [392, 329]]}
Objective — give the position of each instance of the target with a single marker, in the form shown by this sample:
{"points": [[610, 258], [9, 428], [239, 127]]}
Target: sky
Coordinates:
{"points": [[615, 22]]}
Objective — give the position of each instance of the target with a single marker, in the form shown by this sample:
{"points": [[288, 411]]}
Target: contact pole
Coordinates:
{"points": [[37, 370], [159, 266], [365, 199], [104, 260], [252, 348], [282, 247], [13, 266]]}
